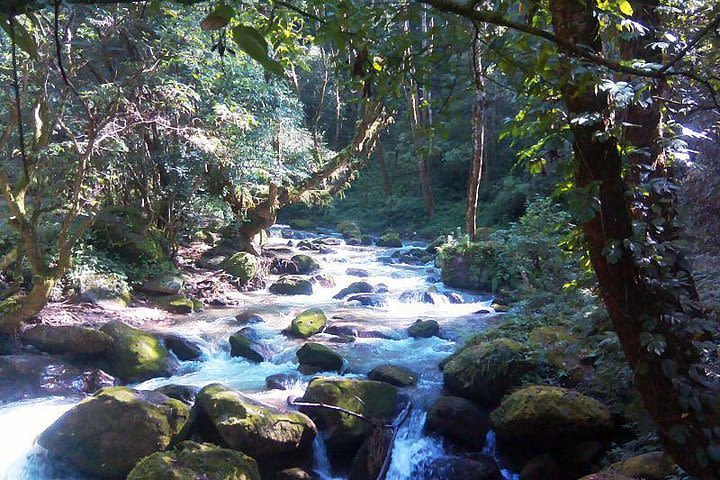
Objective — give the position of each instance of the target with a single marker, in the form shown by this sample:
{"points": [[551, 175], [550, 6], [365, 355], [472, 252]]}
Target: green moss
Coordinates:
{"points": [[319, 357], [191, 461], [136, 355], [394, 375], [308, 323], [178, 304], [242, 265], [292, 285], [390, 239], [301, 224], [305, 263]]}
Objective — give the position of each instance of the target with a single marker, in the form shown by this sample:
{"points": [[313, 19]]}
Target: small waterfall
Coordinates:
{"points": [[413, 452], [321, 461]]}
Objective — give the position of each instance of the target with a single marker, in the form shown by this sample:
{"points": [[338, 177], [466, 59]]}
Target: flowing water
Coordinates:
{"points": [[386, 341]]}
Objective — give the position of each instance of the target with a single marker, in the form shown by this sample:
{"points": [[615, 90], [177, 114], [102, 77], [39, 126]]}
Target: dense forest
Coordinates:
{"points": [[292, 239]]}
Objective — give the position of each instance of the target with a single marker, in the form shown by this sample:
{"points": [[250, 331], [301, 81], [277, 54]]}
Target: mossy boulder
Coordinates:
{"points": [[241, 265], [459, 420], [166, 284], [178, 304], [292, 285], [394, 375], [193, 461], [354, 288], [547, 417], [649, 466], [308, 323], [424, 329], [345, 433], [301, 224], [108, 433], [349, 229], [242, 345], [67, 339], [315, 357], [127, 232], [413, 256], [305, 264], [487, 371], [136, 355], [107, 290], [472, 266], [261, 431], [390, 240]]}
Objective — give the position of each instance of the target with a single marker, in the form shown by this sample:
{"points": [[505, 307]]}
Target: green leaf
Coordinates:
{"points": [[626, 8], [254, 44], [23, 38], [218, 18]]}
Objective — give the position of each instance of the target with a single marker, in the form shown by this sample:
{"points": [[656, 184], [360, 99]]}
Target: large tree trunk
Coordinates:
{"points": [[651, 304], [478, 138]]}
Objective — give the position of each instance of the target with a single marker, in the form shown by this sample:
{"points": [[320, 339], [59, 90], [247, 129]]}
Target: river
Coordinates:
{"points": [[385, 341]]}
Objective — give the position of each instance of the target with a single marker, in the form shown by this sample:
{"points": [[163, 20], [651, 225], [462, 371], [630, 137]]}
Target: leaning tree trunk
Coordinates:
{"points": [[478, 138], [650, 301]]}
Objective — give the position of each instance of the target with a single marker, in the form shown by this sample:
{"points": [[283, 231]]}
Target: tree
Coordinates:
{"points": [[478, 137]]}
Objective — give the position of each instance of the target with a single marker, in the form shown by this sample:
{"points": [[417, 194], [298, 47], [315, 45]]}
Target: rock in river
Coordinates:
{"points": [[136, 355], [394, 375], [292, 285], [108, 433], [193, 461], [261, 431], [344, 433], [315, 357], [458, 420], [67, 339], [308, 323], [424, 329]]}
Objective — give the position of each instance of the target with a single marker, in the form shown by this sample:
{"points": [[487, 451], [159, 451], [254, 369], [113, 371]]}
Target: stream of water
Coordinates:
{"points": [[387, 342]]}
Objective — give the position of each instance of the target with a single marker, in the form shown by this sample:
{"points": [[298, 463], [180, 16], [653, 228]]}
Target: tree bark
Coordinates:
{"points": [[478, 138], [382, 167], [651, 306]]}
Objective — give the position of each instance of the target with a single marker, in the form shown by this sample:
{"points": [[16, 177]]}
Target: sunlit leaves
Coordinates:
{"points": [[23, 38], [253, 43]]}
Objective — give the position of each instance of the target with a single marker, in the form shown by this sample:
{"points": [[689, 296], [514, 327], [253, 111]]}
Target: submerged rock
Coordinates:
{"points": [[308, 323], [424, 329], [243, 424], [305, 264], [193, 461], [413, 256], [294, 474], [67, 339], [342, 331], [486, 372], [394, 375], [368, 299], [344, 433], [459, 420], [248, 318], [649, 466], [325, 280], [546, 417], [292, 285], [242, 345], [434, 298], [314, 357], [136, 355], [108, 433], [355, 287], [184, 393], [357, 272], [282, 381]]}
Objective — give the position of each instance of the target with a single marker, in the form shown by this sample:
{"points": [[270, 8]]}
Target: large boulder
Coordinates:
{"points": [[108, 433], [547, 417], [178, 304], [292, 285], [67, 339], [258, 430], [194, 461], [487, 371], [107, 290], [244, 345], [345, 433], [305, 264], [424, 329], [459, 420], [136, 355], [308, 323], [394, 375], [353, 288], [315, 357], [241, 265], [127, 232], [166, 284]]}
